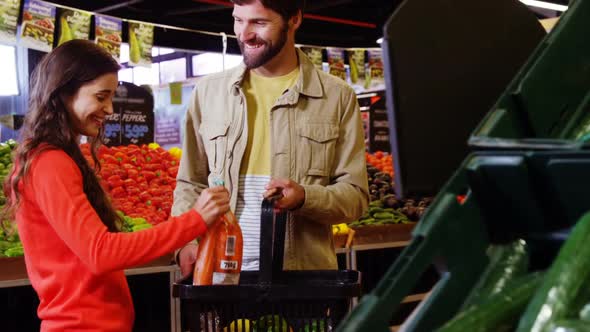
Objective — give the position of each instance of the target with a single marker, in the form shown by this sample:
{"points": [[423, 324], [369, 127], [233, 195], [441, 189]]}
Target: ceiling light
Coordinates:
{"points": [[380, 40], [543, 4]]}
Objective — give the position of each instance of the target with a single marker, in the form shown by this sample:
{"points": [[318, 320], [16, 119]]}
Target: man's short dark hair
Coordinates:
{"points": [[285, 8]]}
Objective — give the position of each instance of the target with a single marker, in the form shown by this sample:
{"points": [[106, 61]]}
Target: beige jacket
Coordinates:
{"points": [[317, 141]]}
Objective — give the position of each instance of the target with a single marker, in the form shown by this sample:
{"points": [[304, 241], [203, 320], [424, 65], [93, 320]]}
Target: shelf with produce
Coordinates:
{"points": [[389, 220], [140, 181]]}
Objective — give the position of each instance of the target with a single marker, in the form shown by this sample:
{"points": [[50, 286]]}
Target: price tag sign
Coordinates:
{"points": [[132, 121]]}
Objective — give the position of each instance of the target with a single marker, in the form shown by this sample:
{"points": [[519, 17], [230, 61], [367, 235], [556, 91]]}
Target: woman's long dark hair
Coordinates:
{"points": [[47, 125]]}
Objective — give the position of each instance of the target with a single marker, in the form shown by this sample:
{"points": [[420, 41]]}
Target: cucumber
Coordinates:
{"points": [[584, 313], [569, 326], [564, 280], [580, 308], [499, 311], [507, 262]]}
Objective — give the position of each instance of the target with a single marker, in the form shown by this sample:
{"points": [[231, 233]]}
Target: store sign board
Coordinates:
{"points": [[108, 34], [73, 24], [141, 40], [132, 121], [356, 64], [38, 25], [167, 128], [375, 76], [336, 62], [314, 54], [8, 21]]}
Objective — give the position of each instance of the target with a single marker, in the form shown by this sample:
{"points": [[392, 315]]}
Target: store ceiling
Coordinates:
{"points": [[344, 23]]}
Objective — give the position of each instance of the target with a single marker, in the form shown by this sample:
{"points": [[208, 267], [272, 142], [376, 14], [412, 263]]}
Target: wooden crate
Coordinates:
{"points": [[12, 268], [383, 233]]}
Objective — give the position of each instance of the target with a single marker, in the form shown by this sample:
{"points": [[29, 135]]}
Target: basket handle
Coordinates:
{"points": [[272, 240]]}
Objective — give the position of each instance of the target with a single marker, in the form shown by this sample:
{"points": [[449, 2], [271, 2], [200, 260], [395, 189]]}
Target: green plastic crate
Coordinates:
{"points": [[535, 195], [548, 102]]}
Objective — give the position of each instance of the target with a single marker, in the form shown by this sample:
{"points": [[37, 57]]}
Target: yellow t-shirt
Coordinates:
{"points": [[261, 94]]}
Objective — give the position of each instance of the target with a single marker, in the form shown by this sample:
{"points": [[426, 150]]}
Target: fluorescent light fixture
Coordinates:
{"points": [[543, 4], [380, 40]]}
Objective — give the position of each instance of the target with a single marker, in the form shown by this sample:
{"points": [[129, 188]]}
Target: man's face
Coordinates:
{"points": [[261, 32]]}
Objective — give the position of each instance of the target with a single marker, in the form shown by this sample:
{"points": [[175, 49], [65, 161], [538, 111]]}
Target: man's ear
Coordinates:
{"points": [[295, 21]]}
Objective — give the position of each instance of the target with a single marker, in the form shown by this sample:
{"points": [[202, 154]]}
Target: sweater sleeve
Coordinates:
{"points": [[55, 182]]}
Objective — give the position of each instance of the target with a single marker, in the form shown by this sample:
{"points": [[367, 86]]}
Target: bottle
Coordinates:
{"points": [[219, 255]]}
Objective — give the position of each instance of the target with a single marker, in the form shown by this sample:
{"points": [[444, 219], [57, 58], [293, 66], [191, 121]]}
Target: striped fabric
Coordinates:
{"points": [[251, 188]]}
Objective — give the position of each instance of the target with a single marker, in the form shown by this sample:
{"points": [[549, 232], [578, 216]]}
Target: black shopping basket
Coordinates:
{"points": [[270, 299]]}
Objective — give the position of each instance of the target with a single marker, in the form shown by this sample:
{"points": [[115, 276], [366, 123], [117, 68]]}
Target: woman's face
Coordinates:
{"points": [[93, 101]]}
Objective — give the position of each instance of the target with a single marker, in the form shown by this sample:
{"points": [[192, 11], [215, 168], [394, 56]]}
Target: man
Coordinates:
{"points": [[276, 124]]}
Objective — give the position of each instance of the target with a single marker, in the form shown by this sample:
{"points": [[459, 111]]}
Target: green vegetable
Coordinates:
{"points": [[5, 149], [383, 215], [569, 326], [272, 323], [14, 251], [506, 263], [315, 326], [140, 227], [585, 313], [377, 203], [12, 143], [499, 311], [565, 279], [375, 209]]}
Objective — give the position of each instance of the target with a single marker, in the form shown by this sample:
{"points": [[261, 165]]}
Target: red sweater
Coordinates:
{"points": [[74, 264]]}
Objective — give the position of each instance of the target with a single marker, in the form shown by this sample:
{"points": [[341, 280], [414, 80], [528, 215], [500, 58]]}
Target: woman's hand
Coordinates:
{"points": [[212, 204]]}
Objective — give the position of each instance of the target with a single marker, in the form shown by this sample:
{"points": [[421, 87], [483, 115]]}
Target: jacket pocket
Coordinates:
{"points": [[318, 146], [215, 141]]}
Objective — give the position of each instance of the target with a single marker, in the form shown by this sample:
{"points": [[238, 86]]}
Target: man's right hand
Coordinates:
{"points": [[212, 204], [187, 258]]}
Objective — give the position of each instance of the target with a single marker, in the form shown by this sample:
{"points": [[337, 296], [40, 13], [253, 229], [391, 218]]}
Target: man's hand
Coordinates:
{"points": [[187, 258], [293, 193]]}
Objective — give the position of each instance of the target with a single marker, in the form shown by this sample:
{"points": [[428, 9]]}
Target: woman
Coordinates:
{"points": [[74, 254]]}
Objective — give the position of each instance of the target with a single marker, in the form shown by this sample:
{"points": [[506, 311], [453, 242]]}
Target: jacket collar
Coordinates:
{"points": [[308, 83]]}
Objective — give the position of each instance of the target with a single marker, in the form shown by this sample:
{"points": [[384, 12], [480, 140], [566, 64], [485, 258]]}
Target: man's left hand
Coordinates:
{"points": [[293, 193]]}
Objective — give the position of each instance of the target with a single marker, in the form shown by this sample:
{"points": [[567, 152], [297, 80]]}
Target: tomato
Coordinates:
{"points": [[148, 175], [121, 157], [133, 199], [115, 182], [118, 192], [132, 174], [108, 159], [155, 191], [120, 172], [143, 185], [157, 201], [128, 166], [145, 196], [166, 206], [173, 171], [152, 167], [129, 183], [133, 190]]}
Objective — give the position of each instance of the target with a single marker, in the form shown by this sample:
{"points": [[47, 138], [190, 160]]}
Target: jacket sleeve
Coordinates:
{"points": [[346, 198], [57, 187], [193, 168]]}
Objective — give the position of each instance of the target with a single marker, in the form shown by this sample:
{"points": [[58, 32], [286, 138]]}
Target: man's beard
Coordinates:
{"points": [[270, 51]]}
